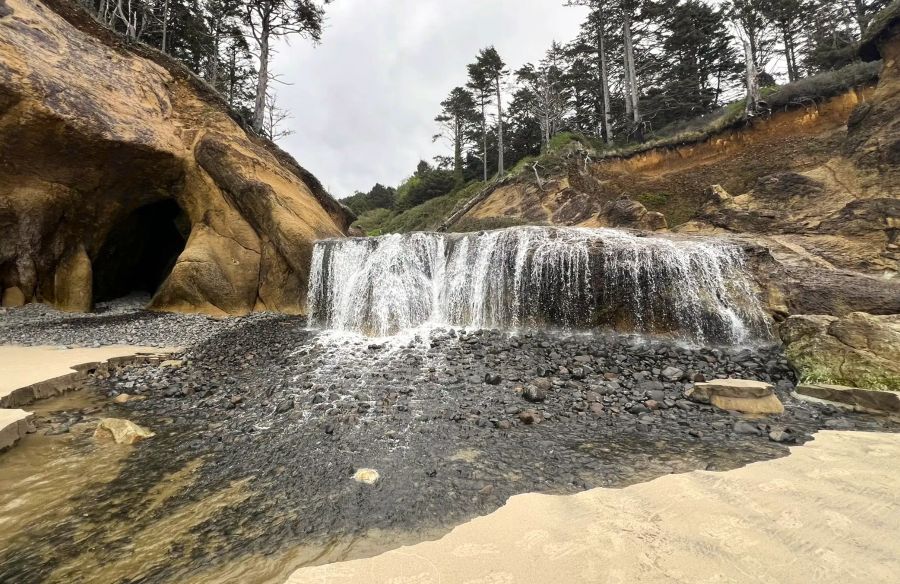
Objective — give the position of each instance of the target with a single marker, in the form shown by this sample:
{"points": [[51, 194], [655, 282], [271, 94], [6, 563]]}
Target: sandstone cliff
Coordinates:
{"points": [[120, 170]]}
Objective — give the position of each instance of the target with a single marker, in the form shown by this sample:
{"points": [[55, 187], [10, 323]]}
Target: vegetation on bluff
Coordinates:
{"points": [[583, 100]]}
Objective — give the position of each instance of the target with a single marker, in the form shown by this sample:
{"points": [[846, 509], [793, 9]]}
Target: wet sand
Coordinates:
{"points": [[23, 366], [829, 512]]}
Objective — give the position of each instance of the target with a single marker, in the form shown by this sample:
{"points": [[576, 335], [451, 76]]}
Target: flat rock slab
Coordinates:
{"points": [[26, 367], [761, 406], [739, 388], [14, 424], [837, 495], [858, 399]]}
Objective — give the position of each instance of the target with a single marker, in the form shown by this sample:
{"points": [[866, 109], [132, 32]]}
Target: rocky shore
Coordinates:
{"points": [[454, 423]]}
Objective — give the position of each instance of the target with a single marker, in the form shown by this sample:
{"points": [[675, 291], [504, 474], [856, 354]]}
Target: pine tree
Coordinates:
{"points": [[482, 88], [593, 41], [457, 119], [490, 68], [268, 19], [790, 18], [545, 92]]}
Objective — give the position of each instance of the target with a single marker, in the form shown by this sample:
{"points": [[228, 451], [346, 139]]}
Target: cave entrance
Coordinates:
{"points": [[140, 251]]}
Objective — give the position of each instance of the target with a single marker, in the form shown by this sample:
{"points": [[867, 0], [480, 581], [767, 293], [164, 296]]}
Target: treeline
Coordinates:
{"points": [[226, 42], [637, 68]]}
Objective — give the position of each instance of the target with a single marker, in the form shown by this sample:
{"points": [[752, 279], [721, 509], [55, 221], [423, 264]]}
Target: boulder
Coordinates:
{"points": [[733, 388], [859, 350], [737, 395], [857, 399], [763, 406], [121, 431], [627, 213]]}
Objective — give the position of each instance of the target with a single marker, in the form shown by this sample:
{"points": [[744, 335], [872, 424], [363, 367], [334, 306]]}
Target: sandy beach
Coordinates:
{"points": [[829, 512]]}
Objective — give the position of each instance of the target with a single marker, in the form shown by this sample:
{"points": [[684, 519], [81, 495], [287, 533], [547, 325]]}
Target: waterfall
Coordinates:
{"points": [[528, 277]]}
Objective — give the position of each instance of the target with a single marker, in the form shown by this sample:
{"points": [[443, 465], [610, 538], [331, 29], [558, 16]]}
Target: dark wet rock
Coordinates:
{"points": [[672, 373], [534, 394], [284, 406], [529, 417], [742, 427]]}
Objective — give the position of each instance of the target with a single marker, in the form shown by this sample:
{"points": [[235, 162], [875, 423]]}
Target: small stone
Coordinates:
{"points": [[492, 379], [597, 409], [782, 435], [742, 427], [672, 373], [284, 406], [534, 394], [368, 476], [542, 383], [529, 417]]}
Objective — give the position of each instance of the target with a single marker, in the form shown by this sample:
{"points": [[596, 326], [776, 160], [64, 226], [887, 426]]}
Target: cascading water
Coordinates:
{"points": [[532, 276]]}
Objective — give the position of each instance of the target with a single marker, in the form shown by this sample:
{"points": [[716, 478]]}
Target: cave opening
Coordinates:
{"points": [[140, 251]]}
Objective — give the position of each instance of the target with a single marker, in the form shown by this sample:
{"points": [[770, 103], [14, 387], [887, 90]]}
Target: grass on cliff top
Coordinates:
{"points": [[425, 217]]}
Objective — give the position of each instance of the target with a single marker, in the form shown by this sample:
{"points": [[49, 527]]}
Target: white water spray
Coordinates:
{"points": [[531, 277]]}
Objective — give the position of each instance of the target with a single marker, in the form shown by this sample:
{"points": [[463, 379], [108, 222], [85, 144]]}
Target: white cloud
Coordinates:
{"points": [[364, 100]]}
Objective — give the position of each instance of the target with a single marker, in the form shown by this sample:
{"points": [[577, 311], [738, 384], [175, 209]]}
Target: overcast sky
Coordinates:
{"points": [[364, 100]]}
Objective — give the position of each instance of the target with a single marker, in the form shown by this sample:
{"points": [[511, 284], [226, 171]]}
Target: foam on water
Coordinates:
{"points": [[529, 277]]}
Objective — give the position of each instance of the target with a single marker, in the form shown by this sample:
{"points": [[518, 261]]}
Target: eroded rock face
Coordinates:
{"points": [[859, 350], [94, 133], [625, 213]]}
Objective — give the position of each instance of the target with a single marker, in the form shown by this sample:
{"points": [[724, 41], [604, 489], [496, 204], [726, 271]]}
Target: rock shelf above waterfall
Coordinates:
{"points": [[529, 277]]}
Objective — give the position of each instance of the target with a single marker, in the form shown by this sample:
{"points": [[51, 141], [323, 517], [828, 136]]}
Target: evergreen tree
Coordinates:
{"points": [[545, 94], [268, 19], [457, 119], [699, 59], [591, 53], [482, 88], [789, 18], [489, 69]]}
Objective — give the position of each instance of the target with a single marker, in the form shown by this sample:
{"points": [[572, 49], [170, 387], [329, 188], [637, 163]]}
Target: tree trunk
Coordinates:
{"points": [[789, 53], [165, 25], [500, 169], [262, 82], [212, 71], [457, 150], [484, 159], [604, 85], [862, 17], [631, 75], [752, 79]]}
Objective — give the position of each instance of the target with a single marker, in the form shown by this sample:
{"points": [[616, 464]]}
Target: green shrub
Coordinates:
{"points": [[374, 220], [430, 214], [822, 86], [653, 201]]}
